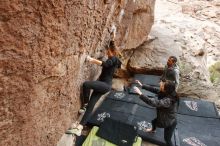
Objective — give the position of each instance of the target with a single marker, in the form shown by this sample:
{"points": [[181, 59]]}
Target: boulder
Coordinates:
{"points": [[151, 56], [42, 60], [191, 37]]}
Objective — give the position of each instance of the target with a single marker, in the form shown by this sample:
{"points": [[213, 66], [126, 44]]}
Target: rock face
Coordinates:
{"points": [[152, 55], [134, 32], [189, 30], [42, 60]]}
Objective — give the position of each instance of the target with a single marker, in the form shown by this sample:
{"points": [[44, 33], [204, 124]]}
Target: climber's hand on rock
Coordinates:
{"points": [[90, 59]]}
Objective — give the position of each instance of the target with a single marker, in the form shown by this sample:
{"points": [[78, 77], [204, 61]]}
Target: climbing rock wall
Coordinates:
{"points": [[133, 33], [42, 59]]}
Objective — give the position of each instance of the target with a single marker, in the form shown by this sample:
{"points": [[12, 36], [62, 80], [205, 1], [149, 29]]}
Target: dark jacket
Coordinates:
{"points": [[166, 106], [108, 69]]}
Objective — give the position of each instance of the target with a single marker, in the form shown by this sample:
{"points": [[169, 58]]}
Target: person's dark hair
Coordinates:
{"points": [[163, 80], [169, 88], [116, 53], [112, 48], [174, 58]]}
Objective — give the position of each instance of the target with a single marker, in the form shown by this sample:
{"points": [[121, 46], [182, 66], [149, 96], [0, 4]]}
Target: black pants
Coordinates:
{"points": [[99, 88], [154, 124], [168, 132]]}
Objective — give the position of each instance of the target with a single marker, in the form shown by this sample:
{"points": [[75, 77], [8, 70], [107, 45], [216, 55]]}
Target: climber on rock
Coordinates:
{"points": [[103, 84], [171, 71], [166, 106]]}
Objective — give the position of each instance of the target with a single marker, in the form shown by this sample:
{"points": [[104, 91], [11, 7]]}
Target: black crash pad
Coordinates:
{"points": [[198, 131], [197, 107], [145, 92], [152, 80], [130, 113], [127, 97], [201, 126], [197, 123], [79, 140]]}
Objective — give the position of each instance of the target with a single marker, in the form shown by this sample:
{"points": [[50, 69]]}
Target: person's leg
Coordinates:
{"points": [[100, 88], [86, 89], [154, 125], [168, 132], [97, 86], [94, 98], [153, 129], [87, 86]]}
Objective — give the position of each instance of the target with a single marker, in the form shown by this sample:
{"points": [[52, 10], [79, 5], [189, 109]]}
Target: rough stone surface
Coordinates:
{"points": [[152, 55], [135, 33], [189, 30], [42, 60]]}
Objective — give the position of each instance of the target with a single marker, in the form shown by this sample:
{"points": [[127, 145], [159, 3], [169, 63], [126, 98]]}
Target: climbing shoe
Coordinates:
{"points": [[83, 109], [75, 131]]}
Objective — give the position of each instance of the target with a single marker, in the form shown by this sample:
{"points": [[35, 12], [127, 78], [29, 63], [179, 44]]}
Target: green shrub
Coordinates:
{"points": [[215, 73]]}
